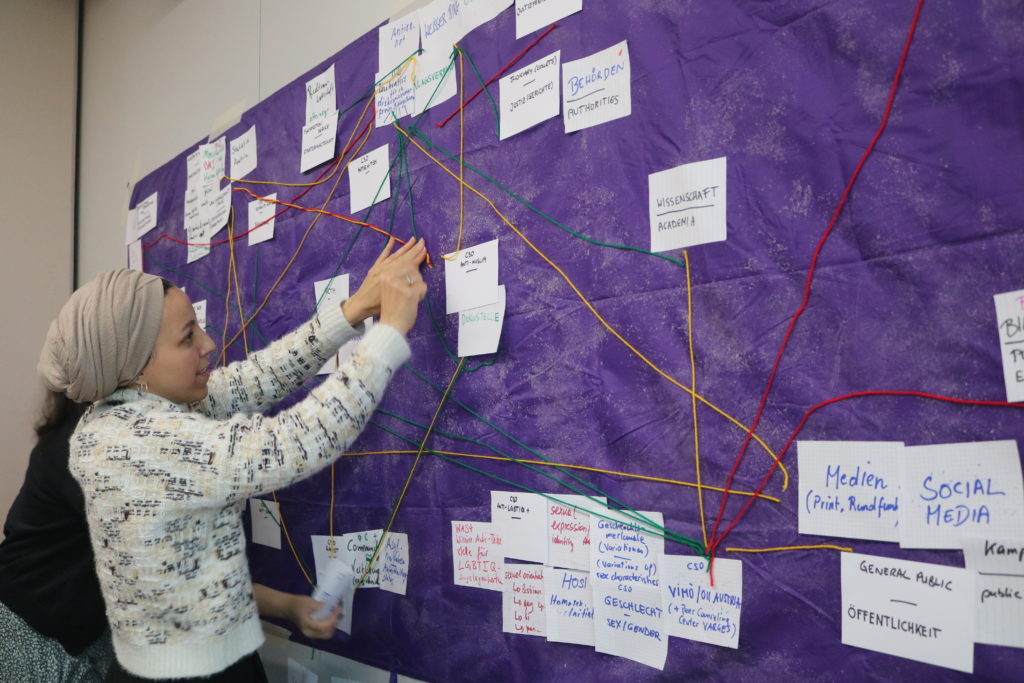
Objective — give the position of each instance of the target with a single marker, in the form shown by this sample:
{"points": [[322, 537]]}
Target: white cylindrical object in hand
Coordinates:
{"points": [[335, 588]]}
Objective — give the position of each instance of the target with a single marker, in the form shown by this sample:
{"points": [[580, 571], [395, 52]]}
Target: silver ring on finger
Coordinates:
{"points": [[408, 278]]}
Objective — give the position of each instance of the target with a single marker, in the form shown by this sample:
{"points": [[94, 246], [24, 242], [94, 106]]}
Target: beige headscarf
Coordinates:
{"points": [[103, 336]]}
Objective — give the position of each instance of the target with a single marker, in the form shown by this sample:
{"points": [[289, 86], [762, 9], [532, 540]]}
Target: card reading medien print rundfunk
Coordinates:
{"points": [[849, 489]]}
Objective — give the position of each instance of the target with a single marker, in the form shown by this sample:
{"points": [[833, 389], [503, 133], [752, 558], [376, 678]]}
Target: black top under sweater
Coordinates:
{"points": [[46, 564]]}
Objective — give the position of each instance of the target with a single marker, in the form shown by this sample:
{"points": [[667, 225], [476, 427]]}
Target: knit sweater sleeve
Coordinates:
{"points": [[270, 374], [193, 460]]}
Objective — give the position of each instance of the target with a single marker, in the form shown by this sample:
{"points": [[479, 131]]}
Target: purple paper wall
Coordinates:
{"points": [[791, 92]]}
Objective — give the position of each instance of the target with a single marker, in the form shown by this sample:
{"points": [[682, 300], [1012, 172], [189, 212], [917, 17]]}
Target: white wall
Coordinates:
{"points": [[156, 75], [38, 57]]}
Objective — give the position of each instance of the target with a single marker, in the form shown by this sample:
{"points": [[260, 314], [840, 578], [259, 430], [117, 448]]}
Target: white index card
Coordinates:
{"points": [[147, 210], [849, 489], [243, 153], [568, 606], [131, 226], [529, 95], [265, 528], [441, 23], [522, 600], [321, 99], [569, 530], [394, 562], [477, 555], [536, 14], [356, 550], [914, 610], [330, 292], [369, 180], [949, 491], [687, 205], [696, 610], [522, 518], [215, 209], [999, 593], [334, 575], [193, 168], [628, 613], [480, 328], [395, 97], [396, 41], [200, 308], [261, 219], [142, 218], [211, 162], [471, 277], [1010, 316], [434, 80], [595, 89], [318, 141], [135, 255], [198, 246]]}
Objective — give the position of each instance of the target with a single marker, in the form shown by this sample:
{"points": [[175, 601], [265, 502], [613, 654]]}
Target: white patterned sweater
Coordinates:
{"points": [[165, 485]]}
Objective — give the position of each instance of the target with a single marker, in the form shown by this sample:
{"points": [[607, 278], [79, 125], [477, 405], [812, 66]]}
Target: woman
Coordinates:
{"points": [[52, 625], [169, 451]]}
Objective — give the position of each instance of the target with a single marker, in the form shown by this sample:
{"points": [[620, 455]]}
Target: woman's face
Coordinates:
{"points": [[178, 370]]}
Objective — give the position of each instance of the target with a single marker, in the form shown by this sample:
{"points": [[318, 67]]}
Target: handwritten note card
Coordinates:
{"points": [[569, 530], [529, 96], [687, 205], [1010, 316], [999, 593], [950, 491], [318, 141], [193, 223], [535, 14], [396, 96], [849, 489], [442, 23], [131, 226], [200, 308], [569, 606], [330, 292], [628, 613], [477, 555], [595, 89], [471, 277], [522, 601], [265, 529], [696, 610], [214, 208], [369, 181], [356, 551], [434, 82], [480, 328], [243, 153], [261, 219], [394, 563], [144, 219], [396, 41], [335, 583], [522, 518], [135, 255], [915, 610], [321, 99], [211, 162]]}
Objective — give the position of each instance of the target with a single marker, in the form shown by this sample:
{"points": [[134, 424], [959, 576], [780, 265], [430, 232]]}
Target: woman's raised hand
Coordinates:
{"points": [[392, 289]]}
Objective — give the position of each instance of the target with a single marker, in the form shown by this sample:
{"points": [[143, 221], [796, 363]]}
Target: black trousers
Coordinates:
{"points": [[248, 669]]}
